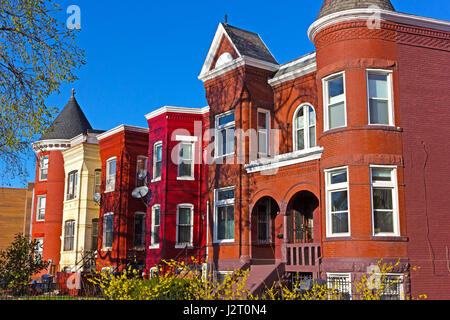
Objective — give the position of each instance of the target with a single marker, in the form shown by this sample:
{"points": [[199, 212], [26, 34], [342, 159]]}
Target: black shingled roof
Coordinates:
{"points": [[332, 6], [249, 44], [71, 122]]}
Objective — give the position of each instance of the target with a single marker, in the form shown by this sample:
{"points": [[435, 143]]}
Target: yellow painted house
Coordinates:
{"points": [[82, 166]]}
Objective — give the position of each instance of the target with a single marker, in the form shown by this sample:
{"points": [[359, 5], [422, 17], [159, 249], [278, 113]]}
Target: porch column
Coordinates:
{"points": [[283, 212]]}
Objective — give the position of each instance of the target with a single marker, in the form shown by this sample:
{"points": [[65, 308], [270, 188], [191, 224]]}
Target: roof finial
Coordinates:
{"points": [[73, 93], [226, 19]]}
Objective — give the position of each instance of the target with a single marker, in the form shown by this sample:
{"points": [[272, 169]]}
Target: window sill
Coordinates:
{"points": [[338, 238], [156, 180], [364, 127], [184, 246], [153, 247], [185, 179], [223, 242], [107, 250], [390, 238]]}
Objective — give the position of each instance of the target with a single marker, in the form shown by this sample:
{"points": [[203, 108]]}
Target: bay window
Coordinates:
{"points": [[224, 215], [334, 102], [111, 175], [156, 216], [108, 230], [185, 223], [72, 183], [43, 168], [157, 161], [69, 235], [338, 218], [379, 92], [224, 135], [186, 161]]}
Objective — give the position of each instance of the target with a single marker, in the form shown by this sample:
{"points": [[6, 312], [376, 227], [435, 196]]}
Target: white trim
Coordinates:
{"points": [[268, 128], [222, 203], [284, 160], [104, 231], [169, 109], [390, 98], [366, 14], [325, 81], [155, 146], [395, 199], [191, 208], [38, 207], [344, 186], [40, 161], [306, 126], [192, 175], [107, 176], [43, 145], [294, 74], [153, 245], [121, 128], [227, 126]]}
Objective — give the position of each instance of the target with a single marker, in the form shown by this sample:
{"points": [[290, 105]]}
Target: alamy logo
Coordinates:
{"points": [[374, 21], [74, 20], [374, 280]]}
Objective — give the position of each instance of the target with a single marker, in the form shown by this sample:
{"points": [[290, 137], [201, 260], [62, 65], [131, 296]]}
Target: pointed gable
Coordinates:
{"points": [[70, 123], [235, 45]]}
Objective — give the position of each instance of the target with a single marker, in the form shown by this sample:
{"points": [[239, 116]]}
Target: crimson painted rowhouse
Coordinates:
{"points": [[178, 185]]}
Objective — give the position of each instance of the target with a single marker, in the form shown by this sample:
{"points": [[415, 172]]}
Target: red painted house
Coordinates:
{"points": [[46, 222], [121, 239], [176, 220], [328, 163]]}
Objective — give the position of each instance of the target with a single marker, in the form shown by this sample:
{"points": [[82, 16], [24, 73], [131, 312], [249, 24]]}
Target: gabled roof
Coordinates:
{"points": [[333, 6], [70, 123], [249, 47]]}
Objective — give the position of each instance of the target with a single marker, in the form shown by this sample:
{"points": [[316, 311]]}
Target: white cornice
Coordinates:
{"points": [[294, 74], [121, 128], [50, 145], [169, 109], [367, 14]]}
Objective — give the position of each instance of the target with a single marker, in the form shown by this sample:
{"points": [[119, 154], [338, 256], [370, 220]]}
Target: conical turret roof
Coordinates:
{"points": [[70, 123], [333, 6]]}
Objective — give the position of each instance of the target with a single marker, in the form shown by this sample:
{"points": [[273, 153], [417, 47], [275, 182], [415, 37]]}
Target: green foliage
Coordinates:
{"points": [[37, 55], [19, 262]]}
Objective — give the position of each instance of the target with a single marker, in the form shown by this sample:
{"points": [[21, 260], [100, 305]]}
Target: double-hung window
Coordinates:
{"points": [[334, 102], [69, 235], [156, 216], [263, 218], [41, 204], [338, 217], [94, 237], [139, 230], [263, 132], [384, 200], [43, 168], [39, 248], [185, 223], [141, 171], [72, 183], [304, 128], [111, 175], [224, 215], [98, 181], [379, 92], [225, 140], [157, 161], [108, 230], [186, 160]]}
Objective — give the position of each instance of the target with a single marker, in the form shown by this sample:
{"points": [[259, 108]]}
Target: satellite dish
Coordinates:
{"points": [[139, 193], [97, 197], [142, 174]]}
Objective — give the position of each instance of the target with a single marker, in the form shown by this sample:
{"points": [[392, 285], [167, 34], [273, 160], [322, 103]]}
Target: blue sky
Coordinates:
{"points": [[142, 55]]}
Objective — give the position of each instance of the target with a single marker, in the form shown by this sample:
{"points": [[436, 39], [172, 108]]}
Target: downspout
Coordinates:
{"points": [[78, 216], [32, 215]]}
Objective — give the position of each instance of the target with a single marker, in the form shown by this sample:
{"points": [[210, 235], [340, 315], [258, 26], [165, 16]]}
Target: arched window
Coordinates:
{"points": [[304, 129]]}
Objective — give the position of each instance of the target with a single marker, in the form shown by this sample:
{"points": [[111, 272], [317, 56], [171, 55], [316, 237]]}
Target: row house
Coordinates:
{"points": [[328, 164]]}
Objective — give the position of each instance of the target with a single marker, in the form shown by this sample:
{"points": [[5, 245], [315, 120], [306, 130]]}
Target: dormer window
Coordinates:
{"points": [[224, 59]]}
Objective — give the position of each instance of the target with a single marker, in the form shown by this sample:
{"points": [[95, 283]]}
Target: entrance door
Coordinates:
{"points": [[263, 220], [302, 227]]}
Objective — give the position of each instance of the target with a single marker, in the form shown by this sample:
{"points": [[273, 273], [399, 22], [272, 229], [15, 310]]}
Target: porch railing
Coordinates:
{"points": [[302, 257]]}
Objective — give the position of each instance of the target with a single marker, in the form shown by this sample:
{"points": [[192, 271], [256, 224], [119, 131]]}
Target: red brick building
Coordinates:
{"points": [[335, 164], [46, 219], [121, 238]]}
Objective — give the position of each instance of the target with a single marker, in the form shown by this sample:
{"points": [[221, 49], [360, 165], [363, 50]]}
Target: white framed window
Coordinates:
{"points": [[94, 236], [43, 168], [156, 223], [40, 247], [224, 135], [340, 285], [98, 181], [224, 215], [41, 204], [380, 97], [186, 161], [385, 215], [108, 230], [69, 235], [263, 132], [141, 167], [263, 221], [185, 225], [111, 168], [393, 286], [337, 202], [139, 230], [335, 111], [157, 161], [304, 130], [72, 183]]}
